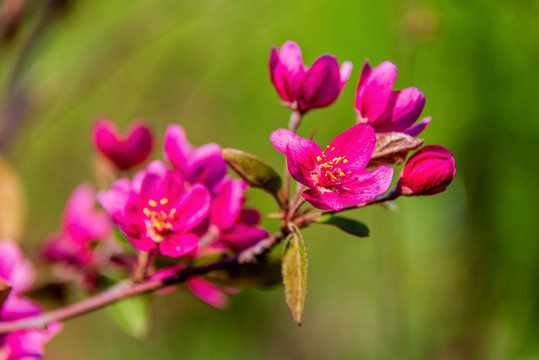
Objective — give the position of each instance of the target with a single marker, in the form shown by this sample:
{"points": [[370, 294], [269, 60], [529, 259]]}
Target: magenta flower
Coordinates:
{"points": [[125, 151], [204, 164], [81, 225], [202, 289], [304, 88], [383, 108], [19, 273], [336, 176], [237, 227], [429, 171], [155, 210]]}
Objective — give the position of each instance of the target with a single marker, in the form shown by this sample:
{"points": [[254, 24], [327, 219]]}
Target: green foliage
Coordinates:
{"points": [[294, 270], [351, 226]]}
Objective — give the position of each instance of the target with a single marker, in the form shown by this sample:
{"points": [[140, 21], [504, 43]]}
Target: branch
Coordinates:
{"points": [[128, 289]]}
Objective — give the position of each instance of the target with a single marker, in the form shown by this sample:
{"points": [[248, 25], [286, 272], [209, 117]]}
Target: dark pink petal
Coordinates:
{"points": [[356, 143], [375, 92], [178, 245], [321, 85], [17, 307], [159, 183], [226, 206], [143, 243], [301, 154], [429, 171], [418, 128], [115, 200], [365, 71], [207, 166], [14, 268], [240, 236], [192, 207], [177, 149], [249, 216], [81, 220], [207, 292], [62, 248], [403, 109], [287, 70], [124, 151], [28, 344], [366, 186], [326, 200]]}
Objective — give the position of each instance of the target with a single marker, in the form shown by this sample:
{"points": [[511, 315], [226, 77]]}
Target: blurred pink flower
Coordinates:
{"points": [[237, 226], [383, 108], [81, 225], [155, 210], [429, 171], [304, 88], [335, 177], [204, 164], [125, 151], [19, 273]]}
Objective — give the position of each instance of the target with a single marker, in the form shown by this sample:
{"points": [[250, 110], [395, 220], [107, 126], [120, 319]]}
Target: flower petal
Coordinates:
{"points": [[418, 128], [403, 109], [207, 292], [207, 166], [374, 93], [240, 236], [192, 207], [356, 143], [15, 269], [326, 200], [366, 186], [322, 83], [177, 149], [226, 206], [287, 70], [346, 70], [178, 245]]}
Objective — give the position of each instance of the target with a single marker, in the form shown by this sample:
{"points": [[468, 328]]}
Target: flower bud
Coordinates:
{"points": [[125, 151], [429, 171]]}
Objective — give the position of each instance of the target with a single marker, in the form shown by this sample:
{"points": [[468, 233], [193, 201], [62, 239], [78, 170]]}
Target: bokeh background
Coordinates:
{"points": [[453, 276]]}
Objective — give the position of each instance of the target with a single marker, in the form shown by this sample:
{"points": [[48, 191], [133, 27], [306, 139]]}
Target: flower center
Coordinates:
{"points": [[157, 219], [331, 172]]}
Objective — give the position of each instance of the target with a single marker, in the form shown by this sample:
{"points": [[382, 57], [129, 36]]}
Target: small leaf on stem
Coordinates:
{"points": [[294, 271], [253, 170], [350, 226]]}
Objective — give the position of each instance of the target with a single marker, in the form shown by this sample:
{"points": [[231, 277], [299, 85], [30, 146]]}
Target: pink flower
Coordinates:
{"points": [[205, 291], [304, 88], [429, 171], [124, 151], [19, 273], [155, 210], [81, 225], [237, 226], [204, 164], [383, 108], [336, 176]]}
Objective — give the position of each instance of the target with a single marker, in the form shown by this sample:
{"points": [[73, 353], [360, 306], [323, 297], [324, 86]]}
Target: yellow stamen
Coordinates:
{"points": [[332, 149], [345, 161], [318, 158], [152, 203], [163, 201], [168, 225], [146, 211]]}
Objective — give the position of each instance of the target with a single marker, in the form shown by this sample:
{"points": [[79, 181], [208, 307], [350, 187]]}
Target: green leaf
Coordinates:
{"points": [[131, 315], [350, 226], [266, 272], [255, 171], [294, 271]]}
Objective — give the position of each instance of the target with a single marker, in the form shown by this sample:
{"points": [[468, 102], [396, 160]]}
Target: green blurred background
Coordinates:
{"points": [[454, 276]]}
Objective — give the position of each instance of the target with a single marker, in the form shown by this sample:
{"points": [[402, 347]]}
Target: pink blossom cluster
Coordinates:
{"points": [[335, 176], [186, 206]]}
